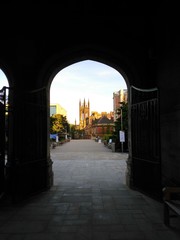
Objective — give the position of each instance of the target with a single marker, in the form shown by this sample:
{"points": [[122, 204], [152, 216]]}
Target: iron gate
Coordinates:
{"points": [[31, 124], [145, 132], [33, 110], [3, 135]]}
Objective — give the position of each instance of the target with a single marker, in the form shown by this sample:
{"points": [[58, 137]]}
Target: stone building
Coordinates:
{"points": [[144, 49], [84, 114], [102, 126]]}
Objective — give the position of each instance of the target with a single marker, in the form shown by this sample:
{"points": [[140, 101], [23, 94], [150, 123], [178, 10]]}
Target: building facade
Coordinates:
{"points": [[118, 97], [84, 114], [57, 109], [100, 127]]}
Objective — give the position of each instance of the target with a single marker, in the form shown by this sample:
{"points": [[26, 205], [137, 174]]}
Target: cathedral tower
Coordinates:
{"points": [[84, 114]]}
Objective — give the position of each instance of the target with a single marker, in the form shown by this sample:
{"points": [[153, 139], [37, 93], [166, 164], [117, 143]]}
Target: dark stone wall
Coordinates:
{"points": [[169, 85], [39, 42]]}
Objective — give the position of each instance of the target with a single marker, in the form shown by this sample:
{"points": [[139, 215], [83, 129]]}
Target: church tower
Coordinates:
{"points": [[84, 114]]}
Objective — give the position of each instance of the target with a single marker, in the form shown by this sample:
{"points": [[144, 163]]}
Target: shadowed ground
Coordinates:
{"points": [[89, 201]]}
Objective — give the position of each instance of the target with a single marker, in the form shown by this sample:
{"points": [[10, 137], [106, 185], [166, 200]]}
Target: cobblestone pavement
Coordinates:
{"points": [[89, 201]]}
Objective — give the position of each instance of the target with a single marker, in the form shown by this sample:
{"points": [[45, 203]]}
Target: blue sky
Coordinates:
{"points": [[3, 80], [83, 80], [86, 80]]}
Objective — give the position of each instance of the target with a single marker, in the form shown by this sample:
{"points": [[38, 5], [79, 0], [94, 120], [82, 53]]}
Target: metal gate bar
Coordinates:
{"points": [[146, 141], [3, 135]]}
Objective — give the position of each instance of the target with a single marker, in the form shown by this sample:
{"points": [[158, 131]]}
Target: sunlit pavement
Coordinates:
{"points": [[86, 163], [89, 200]]}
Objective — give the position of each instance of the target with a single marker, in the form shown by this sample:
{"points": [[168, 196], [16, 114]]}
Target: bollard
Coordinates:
{"points": [[113, 147]]}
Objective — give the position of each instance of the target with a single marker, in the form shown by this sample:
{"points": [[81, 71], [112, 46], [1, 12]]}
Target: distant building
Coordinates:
{"points": [[95, 124], [84, 114], [100, 127], [97, 115], [57, 109], [118, 97]]}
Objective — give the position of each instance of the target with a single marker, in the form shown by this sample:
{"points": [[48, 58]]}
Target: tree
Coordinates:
{"points": [[58, 124]]}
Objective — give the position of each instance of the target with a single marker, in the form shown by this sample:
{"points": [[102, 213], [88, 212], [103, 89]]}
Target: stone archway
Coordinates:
{"points": [[37, 99], [130, 76], [101, 56]]}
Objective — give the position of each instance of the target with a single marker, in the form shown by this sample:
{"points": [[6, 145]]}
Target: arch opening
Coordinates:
{"points": [[131, 173], [46, 78], [96, 92]]}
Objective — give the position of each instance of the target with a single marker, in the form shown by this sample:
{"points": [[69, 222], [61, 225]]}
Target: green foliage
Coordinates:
{"points": [[58, 124], [107, 136]]}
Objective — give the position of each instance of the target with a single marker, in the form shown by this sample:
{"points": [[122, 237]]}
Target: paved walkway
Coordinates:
{"points": [[89, 201]]}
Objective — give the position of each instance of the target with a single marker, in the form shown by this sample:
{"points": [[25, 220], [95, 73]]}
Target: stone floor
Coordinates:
{"points": [[89, 200]]}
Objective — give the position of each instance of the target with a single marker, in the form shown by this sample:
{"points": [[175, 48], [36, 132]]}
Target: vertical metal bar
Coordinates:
{"points": [[145, 140], [2, 138]]}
